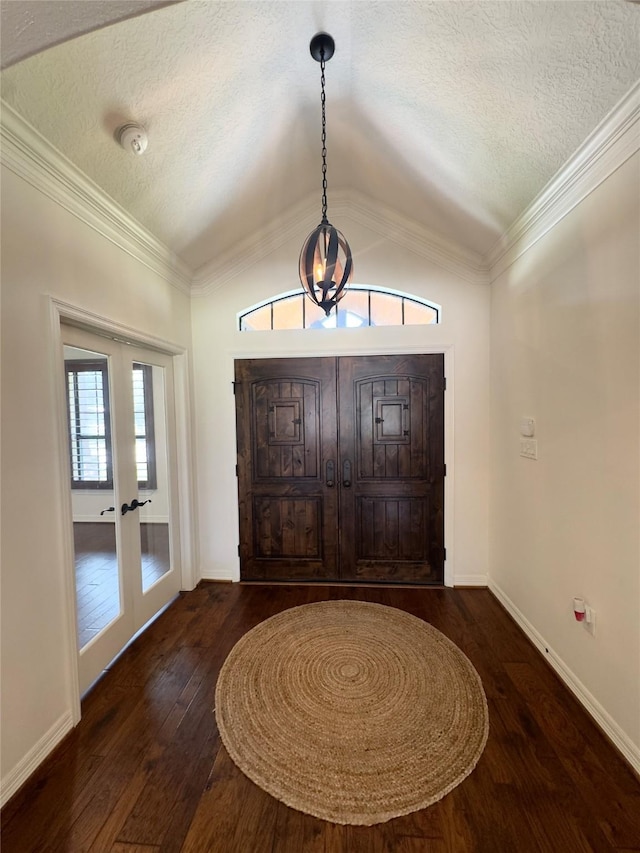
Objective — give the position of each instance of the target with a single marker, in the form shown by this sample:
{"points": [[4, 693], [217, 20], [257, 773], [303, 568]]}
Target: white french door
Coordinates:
{"points": [[121, 420]]}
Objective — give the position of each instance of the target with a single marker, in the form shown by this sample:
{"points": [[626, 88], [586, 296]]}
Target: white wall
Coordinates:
{"points": [[564, 344], [47, 251], [464, 333], [565, 347]]}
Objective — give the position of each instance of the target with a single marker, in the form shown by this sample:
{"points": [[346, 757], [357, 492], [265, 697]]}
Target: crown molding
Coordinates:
{"points": [[215, 274], [612, 143], [413, 236], [29, 155], [379, 218]]}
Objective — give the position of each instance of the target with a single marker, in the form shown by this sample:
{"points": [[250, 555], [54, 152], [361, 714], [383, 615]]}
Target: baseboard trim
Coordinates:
{"points": [[36, 755], [629, 750], [219, 575], [470, 580], [458, 581]]}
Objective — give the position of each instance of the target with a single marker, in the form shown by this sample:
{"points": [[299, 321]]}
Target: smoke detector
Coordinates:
{"points": [[133, 138]]}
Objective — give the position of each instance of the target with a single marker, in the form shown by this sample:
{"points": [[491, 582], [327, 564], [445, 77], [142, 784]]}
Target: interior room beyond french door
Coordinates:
{"points": [[341, 468], [121, 468]]}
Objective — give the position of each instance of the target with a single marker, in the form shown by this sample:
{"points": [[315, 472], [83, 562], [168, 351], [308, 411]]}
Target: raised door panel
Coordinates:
{"points": [[286, 427], [286, 430], [390, 425], [392, 443], [287, 527]]}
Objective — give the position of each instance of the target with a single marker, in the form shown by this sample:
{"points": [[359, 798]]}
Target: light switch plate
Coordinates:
{"points": [[529, 448], [527, 427], [590, 621]]}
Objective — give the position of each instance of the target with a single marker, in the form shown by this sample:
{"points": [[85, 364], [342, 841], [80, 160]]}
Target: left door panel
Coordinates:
{"points": [[286, 428], [120, 463]]}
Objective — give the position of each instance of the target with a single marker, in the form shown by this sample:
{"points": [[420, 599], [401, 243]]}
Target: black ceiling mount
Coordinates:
{"points": [[319, 43]]}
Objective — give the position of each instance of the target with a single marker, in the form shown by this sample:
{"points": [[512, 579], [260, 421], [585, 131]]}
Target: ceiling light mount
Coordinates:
{"points": [[326, 266], [322, 47]]}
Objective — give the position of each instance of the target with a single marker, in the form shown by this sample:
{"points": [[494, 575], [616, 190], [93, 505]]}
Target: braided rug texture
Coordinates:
{"points": [[350, 711]]}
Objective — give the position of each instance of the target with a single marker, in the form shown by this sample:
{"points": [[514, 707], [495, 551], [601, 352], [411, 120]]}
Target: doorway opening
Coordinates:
{"points": [[121, 449], [341, 468]]}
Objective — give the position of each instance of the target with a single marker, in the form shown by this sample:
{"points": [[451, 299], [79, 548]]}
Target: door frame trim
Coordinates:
{"points": [[64, 312], [448, 351]]}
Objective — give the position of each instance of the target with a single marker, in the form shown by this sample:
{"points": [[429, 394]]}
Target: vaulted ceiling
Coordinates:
{"points": [[455, 114]]}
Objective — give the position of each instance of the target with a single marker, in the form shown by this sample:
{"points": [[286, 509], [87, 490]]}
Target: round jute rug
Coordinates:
{"points": [[353, 712]]}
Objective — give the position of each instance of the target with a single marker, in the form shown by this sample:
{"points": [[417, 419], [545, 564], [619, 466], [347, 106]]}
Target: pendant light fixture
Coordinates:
{"points": [[326, 267]]}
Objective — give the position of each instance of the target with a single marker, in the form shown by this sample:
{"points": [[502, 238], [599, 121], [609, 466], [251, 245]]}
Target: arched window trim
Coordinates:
{"points": [[362, 287]]}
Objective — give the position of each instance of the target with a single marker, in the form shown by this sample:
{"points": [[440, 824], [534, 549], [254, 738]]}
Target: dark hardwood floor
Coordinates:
{"points": [[97, 579], [144, 771]]}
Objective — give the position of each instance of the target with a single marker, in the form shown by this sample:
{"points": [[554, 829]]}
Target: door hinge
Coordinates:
{"points": [[444, 383], [237, 471], [234, 384], [444, 474], [238, 550], [445, 555]]}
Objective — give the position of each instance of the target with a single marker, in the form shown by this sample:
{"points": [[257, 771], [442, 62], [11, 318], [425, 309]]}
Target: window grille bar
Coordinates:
{"points": [[342, 311]]}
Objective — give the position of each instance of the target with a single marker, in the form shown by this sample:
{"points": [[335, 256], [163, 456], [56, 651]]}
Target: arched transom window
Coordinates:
{"points": [[361, 306]]}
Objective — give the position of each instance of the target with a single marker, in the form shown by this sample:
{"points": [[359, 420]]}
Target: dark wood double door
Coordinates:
{"points": [[341, 468]]}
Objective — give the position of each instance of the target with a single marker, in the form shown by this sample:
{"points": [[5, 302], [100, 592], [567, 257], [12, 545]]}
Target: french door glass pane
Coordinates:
{"points": [[149, 413], [98, 590]]}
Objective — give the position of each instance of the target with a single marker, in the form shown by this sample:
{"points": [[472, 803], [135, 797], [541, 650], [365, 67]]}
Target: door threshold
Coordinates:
{"points": [[357, 584]]}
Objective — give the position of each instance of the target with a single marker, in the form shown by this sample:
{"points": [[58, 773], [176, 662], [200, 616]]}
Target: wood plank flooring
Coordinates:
{"points": [[144, 771], [97, 578]]}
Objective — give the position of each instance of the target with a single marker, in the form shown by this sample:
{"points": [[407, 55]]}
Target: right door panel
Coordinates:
{"points": [[391, 438]]}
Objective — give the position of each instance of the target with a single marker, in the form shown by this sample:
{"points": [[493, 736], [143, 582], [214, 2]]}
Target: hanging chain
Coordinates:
{"points": [[324, 141]]}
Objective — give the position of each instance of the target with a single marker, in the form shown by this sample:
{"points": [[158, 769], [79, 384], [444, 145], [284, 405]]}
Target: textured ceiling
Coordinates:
{"points": [[28, 28], [454, 113]]}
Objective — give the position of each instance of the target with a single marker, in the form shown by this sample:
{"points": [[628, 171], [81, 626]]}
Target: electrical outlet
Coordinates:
{"points": [[529, 448]]}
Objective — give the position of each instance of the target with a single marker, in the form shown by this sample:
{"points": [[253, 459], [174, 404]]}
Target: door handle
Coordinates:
{"points": [[346, 474], [108, 509], [331, 473], [135, 503]]}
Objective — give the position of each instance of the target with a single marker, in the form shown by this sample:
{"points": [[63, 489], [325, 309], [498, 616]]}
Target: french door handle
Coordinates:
{"points": [[346, 474], [108, 509], [135, 503], [331, 473]]}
